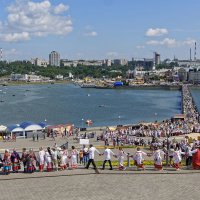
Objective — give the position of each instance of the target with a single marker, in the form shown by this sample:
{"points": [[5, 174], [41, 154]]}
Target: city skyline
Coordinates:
{"points": [[98, 29]]}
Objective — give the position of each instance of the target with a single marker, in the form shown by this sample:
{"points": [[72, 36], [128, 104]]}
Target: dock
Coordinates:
{"points": [[189, 108]]}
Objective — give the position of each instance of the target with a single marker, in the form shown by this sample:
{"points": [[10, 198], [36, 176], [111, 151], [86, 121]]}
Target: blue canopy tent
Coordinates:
{"points": [[30, 127], [118, 83], [43, 124], [16, 129]]}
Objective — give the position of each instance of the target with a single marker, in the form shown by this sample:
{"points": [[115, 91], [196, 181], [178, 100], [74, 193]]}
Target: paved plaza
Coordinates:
{"points": [[86, 185]]}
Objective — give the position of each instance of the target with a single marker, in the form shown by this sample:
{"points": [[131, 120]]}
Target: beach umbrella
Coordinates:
{"points": [[2, 128]]}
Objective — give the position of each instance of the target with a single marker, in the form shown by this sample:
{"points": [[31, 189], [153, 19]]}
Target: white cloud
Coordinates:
{"points": [[151, 32], [14, 37], [189, 42], [27, 18], [10, 52], [166, 42], [91, 34], [1, 26], [171, 42], [140, 46], [112, 54], [61, 8]]}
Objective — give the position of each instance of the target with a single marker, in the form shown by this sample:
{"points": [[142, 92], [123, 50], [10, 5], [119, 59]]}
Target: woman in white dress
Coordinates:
{"points": [[177, 158], [74, 154], [120, 156], [48, 159], [138, 158], [157, 155], [41, 159], [64, 158]]}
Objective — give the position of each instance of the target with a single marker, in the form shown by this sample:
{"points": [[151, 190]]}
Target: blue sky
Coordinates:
{"points": [[99, 29]]}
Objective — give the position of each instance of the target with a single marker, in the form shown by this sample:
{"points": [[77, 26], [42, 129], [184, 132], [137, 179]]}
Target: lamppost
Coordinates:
{"points": [[167, 154], [119, 119], [82, 122]]}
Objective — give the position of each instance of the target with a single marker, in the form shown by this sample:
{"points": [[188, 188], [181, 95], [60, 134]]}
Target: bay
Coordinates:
{"points": [[196, 96], [67, 103]]}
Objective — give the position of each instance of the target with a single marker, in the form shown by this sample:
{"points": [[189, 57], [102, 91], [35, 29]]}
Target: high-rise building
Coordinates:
{"points": [[157, 58], [54, 59]]}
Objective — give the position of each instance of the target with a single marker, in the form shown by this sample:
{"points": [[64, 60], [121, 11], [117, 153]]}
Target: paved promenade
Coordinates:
{"points": [[84, 184]]}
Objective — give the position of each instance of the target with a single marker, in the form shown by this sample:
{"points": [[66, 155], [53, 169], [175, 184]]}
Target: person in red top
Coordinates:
{"points": [[196, 158], [6, 162], [15, 159]]}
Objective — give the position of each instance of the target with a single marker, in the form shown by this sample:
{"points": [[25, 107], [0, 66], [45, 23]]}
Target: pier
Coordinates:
{"points": [[189, 109]]}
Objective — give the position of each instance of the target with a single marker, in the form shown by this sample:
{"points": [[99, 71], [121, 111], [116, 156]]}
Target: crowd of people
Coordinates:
{"points": [[53, 158], [57, 158]]}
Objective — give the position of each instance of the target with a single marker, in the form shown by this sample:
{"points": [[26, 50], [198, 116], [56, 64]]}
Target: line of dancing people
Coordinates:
{"points": [[60, 159], [192, 157], [53, 158]]}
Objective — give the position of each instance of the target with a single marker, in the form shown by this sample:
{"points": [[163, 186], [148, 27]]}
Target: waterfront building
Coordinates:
{"points": [[139, 73], [17, 77], [71, 75], [54, 59], [28, 77], [182, 74], [59, 77], [130, 74], [41, 62], [194, 75], [145, 64]]}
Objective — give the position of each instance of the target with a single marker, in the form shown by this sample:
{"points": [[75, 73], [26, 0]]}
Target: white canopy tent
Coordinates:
{"points": [[2, 128]]}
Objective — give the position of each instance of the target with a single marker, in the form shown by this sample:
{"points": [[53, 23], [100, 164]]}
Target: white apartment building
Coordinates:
{"points": [[41, 62], [74, 63], [54, 59]]}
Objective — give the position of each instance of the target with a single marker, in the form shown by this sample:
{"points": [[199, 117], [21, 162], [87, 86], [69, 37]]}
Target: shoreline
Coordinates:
{"points": [[19, 83]]}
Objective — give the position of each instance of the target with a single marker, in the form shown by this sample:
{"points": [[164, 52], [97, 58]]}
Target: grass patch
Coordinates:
{"points": [[145, 162]]}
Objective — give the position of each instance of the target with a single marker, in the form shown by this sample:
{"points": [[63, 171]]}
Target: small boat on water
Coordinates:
{"points": [[102, 105], [88, 85]]}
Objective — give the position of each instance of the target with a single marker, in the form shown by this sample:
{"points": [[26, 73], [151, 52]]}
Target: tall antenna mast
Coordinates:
{"points": [[1, 54], [195, 51]]}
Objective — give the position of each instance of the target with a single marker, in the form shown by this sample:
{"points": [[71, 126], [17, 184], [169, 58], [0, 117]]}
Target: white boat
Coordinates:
{"points": [[88, 85]]}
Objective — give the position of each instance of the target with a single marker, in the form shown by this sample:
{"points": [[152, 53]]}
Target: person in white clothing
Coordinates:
{"points": [[41, 159], [48, 159], [55, 157], [74, 154], [64, 158], [157, 155], [138, 158], [91, 156], [107, 153], [177, 158], [120, 156]]}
